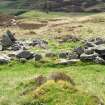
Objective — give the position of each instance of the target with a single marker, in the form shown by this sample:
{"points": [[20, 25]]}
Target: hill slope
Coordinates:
{"points": [[55, 5]]}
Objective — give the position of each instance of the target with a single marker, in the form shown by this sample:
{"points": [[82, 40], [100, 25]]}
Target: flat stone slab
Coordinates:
{"points": [[68, 62]]}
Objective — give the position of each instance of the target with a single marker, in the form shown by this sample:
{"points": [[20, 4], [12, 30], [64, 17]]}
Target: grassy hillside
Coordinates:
{"points": [[53, 5], [89, 77], [17, 77]]}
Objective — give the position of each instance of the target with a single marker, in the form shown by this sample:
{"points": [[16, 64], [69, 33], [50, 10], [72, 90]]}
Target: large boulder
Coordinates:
{"points": [[8, 39], [11, 35], [99, 60], [100, 50], [94, 41], [24, 54], [99, 41], [90, 57], [4, 59]]}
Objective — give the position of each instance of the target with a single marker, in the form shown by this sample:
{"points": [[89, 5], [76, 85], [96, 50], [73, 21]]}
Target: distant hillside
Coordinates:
{"points": [[55, 5]]}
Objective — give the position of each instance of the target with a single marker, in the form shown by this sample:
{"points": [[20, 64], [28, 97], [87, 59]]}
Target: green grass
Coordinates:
{"points": [[41, 14], [89, 77], [60, 93]]}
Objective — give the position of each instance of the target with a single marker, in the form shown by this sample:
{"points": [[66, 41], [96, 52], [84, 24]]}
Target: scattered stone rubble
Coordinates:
{"points": [[91, 50]]}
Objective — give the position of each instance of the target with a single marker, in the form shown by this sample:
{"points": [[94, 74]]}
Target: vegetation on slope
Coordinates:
{"points": [[88, 77], [60, 93], [52, 5]]}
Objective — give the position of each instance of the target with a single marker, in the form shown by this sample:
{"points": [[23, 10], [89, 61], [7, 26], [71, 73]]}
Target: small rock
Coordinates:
{"points": [[4, 59], [90, 44], [89, 50], [68, 62], [63, 54], [15, 48], [73, 56], [79, 50], [99, 60], [24, 54], [11, 36], [12, 56], [38, 57], [39, 43]]}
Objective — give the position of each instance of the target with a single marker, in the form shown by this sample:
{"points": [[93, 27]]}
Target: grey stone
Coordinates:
{"points": [[99, 60], [11, 35], [37, 57], [39, 43], [79, 50], [99, 41], [86, 57], [100, 50], [24, 54], [7, 39], [68, 62], [15, 48], [89, 50], [90, 44], [73, 55], [4, 59], [63, 54]]}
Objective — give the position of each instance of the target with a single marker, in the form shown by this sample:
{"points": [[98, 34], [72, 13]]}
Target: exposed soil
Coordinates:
{"points": [[6, 20], [31, 25]]}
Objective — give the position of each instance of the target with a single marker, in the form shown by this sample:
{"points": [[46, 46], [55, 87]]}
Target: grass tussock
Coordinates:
{"points": [[60, 93]]}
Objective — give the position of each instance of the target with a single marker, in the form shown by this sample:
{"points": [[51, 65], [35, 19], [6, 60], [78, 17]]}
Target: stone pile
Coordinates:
{"points": [[39, 43], [20, 48], [92, 50]]}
